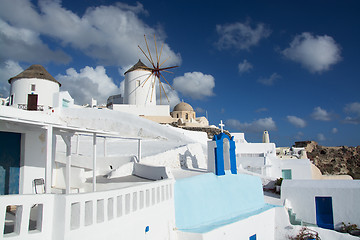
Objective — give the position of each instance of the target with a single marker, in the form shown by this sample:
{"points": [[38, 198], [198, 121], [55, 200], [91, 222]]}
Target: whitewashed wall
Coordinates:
{"points": [[122, 213], [116, 214], [148, 110], [45, 89], [247, 148], [345, 198], [60, 96], [32, 156], [300, 168], [34, 160], [239, 137], [193, 135], [263, 225], [188, 156], [137, 94]]}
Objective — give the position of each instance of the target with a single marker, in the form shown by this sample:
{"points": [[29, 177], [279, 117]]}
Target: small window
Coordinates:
{"points": [[187, 116], [286, 174], [33, 88], [65, 103]]}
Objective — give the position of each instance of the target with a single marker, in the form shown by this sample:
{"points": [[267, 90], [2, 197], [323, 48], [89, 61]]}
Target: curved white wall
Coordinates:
{"points": [[45, 89], [137, 94]]}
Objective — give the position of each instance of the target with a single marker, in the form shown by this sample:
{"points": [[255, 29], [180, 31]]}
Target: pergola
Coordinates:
{"points": [[66, 133]]}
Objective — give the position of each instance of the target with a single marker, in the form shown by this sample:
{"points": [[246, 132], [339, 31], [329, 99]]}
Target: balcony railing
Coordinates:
{"points": [[25, 107], [34, 216]]}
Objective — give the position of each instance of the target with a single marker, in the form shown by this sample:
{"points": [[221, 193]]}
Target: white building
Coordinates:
{"points": [[184, 114], [261, 158], [323, 202], [140, 95], [35, 89], [100, 174]]}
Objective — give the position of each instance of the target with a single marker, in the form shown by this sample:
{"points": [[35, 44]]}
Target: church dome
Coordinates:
{"points": [[183, 107]]}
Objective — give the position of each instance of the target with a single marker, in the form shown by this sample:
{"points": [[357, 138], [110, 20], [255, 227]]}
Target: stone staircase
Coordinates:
{"points": [[292, 216], [293, 219], [296, 221]]}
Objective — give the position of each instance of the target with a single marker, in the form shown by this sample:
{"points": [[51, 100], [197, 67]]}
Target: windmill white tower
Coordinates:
{"points": [[139, 82]]}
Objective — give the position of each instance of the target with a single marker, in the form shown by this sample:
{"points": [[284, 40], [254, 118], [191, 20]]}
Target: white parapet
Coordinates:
{"points": [[127, 212]]}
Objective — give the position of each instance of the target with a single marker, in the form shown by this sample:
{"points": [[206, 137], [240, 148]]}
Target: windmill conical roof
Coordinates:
{"points": [[35, 71], [137, 66]]}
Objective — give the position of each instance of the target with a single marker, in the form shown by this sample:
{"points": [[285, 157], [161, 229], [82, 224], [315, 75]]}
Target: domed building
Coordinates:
{"points": [[185, 115], [184, 111]]}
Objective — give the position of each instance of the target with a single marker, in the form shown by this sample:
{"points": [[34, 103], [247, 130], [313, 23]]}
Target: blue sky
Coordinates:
{"points": [[291, 68]]}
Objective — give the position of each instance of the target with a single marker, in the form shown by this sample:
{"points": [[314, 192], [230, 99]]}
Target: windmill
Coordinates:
{"points": [[156, 69]]}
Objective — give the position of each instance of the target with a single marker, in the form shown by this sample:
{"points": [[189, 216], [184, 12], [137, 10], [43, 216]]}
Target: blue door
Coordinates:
{"points": [[324, 212], [9, 162]]}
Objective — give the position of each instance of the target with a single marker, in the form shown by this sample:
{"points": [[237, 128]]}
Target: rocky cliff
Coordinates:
{"points": [[334, 160]]}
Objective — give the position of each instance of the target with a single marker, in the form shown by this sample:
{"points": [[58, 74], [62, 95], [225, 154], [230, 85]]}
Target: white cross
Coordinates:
{"points": [[222, 126]]}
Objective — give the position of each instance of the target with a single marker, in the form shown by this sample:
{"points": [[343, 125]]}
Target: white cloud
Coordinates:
{"points": [[256, 126], [109, 34], [321, 114], [195, 85], [240, 36], [296, 121], [244, 66], [200, 110], [8, 69], [270, 80], [334, 130], [21, 44], [352, 120], [315, 53], [321, 137], [172, 96], [122, 70], [88, 83], [353, 108]]}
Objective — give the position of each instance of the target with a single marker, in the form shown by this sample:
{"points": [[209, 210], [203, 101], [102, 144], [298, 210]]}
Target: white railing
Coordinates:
{"points": [[251, 155], [88, 209], [26, 216], [58, 216]]}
